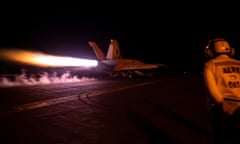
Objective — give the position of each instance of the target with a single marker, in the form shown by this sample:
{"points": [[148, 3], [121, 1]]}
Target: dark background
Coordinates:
{"points": [[173, 33]]}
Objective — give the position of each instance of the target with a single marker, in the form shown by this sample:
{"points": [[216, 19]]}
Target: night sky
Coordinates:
{"points": [[152, 32]]}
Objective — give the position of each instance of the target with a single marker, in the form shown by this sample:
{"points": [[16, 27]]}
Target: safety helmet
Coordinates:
{"points": [[218, 46]]}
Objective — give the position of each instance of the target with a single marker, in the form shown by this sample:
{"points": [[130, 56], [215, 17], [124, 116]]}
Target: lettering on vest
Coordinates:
{"points": [[231, 69], [234, 81], [233, 84]]}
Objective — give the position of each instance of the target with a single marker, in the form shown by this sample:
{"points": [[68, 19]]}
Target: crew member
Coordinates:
{"points": [[222, 81]]}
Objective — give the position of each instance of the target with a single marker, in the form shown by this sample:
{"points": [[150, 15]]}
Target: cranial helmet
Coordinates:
{"points": [[218, 46]]}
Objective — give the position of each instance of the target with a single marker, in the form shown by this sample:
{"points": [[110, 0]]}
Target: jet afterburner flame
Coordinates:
{"points": [[41, 59]]}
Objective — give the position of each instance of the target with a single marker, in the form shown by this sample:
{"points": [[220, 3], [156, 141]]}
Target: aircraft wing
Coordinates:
{"points": [[135, 66]]}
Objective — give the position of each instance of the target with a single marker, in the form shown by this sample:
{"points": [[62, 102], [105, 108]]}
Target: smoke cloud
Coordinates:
{"points": [[42, 79]]}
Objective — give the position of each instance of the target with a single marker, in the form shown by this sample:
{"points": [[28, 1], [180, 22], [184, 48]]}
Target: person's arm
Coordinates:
{"points": [[212, 86]]}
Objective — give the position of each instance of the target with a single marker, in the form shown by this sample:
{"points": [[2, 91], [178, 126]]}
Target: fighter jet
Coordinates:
{"points": [[114, 65]]}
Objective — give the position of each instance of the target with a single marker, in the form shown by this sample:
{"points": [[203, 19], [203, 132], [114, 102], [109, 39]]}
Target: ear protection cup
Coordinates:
{"points": [[208, 49], [232, 51], [208, 52]]}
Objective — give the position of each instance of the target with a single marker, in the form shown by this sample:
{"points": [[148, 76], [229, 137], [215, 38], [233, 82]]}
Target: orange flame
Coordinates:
{"points": [[41, 59]]}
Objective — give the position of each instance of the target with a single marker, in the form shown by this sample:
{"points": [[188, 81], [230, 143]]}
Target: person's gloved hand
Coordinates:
{"points": [[228, 108]]}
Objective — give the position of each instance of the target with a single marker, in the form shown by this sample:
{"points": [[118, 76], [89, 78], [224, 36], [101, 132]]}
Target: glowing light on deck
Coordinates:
{"points": [[41, 59]]}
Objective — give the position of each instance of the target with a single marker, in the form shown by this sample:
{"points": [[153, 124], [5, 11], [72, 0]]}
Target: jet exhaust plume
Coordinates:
{"points": [[44, 60]]}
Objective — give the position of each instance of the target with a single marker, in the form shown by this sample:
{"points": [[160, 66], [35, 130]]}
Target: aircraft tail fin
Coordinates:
{"points": [[113, 50], [99, 53]]}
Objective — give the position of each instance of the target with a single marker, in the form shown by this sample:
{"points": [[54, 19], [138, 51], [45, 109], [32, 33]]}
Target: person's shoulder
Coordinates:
{"points": [[210, 61], [234, 59]]}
